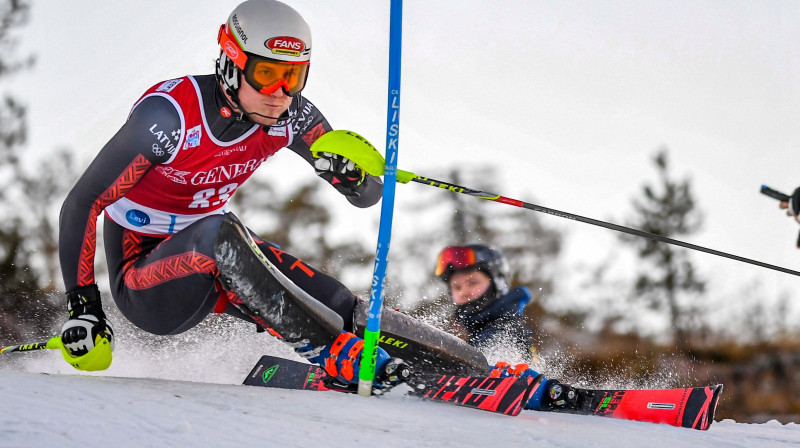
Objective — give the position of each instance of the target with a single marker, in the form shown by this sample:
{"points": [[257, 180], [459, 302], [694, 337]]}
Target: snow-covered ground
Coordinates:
{"points": [[184, 391], [41, 410]]}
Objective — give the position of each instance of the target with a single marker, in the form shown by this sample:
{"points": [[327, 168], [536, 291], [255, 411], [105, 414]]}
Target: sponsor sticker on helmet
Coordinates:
{"points": [[239, 30], [286, 45]]}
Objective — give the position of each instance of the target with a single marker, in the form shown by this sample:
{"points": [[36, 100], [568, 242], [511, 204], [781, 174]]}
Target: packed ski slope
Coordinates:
{"points": [[89, 411], [186, 393]]}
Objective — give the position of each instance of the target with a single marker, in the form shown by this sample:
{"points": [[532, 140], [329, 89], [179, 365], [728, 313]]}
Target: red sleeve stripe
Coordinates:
{"points": [[132, 174]]}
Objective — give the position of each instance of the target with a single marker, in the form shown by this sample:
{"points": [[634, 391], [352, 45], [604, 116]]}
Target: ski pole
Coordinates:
{"points": [[53, 343], [372, 331], [607, 225], [775, 194], [783, 197], [359, 150]]}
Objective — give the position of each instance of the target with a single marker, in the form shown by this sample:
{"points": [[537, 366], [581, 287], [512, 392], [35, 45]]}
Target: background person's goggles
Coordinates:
{"points": [[452, 258]]}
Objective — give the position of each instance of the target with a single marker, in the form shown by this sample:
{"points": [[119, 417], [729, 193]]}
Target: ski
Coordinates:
{"points": [[499, 395], [691, 407]]}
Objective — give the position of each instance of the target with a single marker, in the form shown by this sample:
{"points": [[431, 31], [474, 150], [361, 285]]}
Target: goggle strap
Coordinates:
{"points": [[231, 47]]}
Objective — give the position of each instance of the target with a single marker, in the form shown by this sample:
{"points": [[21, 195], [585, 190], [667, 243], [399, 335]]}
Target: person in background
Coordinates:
{"points": [[490, 313]]}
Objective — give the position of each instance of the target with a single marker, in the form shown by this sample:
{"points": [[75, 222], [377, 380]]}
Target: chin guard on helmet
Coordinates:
{"points": [[228, 73]]}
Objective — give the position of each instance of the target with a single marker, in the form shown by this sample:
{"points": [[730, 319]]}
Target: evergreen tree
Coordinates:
{"points": [[669, 210], [27, 308]]}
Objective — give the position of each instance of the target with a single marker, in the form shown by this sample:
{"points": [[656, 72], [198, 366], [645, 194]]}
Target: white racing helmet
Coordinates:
{"points": [[268, 43]]}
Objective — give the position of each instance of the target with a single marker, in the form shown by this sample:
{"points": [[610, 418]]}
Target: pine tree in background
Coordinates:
{"points": [[667, 209], [13, 14], [26, 308]]}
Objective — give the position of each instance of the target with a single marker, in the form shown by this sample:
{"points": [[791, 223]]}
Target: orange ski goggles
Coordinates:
{"points": [[264, 74]]}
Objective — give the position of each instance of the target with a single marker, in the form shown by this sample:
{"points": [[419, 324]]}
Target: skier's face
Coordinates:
{"points": [[272, 105], [468, 286]]}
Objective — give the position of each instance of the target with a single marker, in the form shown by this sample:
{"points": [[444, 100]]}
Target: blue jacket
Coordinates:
{"points": [[503, 316]]}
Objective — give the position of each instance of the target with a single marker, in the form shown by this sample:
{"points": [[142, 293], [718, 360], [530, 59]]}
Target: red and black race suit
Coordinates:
{"points": [[164, 180]]}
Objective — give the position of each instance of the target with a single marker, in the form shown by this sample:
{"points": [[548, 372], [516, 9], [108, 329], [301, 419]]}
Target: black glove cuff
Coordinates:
{"points": [[348, 189], [85, 300]]}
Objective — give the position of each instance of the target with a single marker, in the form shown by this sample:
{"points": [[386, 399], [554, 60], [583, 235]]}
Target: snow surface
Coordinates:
{"points": [[185, 391], [117, 408]]}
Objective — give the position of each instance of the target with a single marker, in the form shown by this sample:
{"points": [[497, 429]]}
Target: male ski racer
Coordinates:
{"points": [[164, 179]]}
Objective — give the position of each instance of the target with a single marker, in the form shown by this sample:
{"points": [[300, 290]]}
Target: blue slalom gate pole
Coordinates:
{"points": [[372, 331]]}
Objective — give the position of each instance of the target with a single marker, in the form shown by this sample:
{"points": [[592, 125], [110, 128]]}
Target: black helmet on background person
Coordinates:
{"points": [[474, 257]]}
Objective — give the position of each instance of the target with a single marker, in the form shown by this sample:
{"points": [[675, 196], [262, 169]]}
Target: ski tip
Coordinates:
{"points": [[712, 406]]}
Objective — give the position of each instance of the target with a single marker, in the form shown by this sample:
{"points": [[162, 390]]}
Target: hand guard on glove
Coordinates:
{"points": [[87, 338], [79, 334], [341, 172]]}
